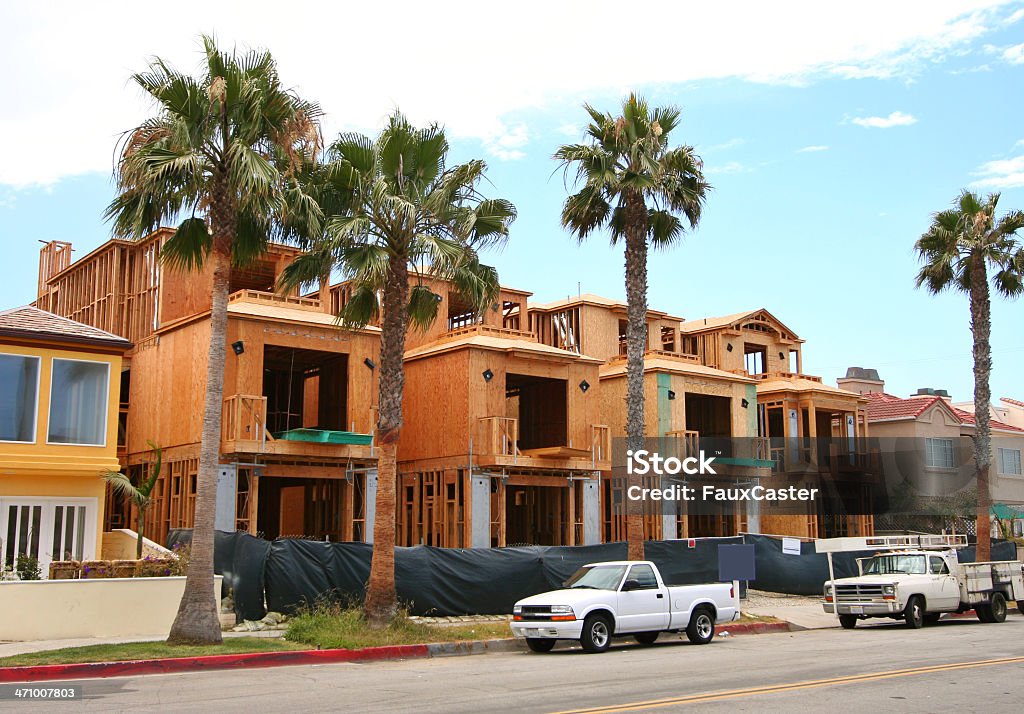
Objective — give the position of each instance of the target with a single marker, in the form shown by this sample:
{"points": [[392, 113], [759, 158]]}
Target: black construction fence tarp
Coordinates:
{"points": [[288, 574]]}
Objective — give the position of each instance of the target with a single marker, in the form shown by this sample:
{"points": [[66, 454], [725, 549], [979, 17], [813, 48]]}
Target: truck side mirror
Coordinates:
{"points": [[630, 585]]}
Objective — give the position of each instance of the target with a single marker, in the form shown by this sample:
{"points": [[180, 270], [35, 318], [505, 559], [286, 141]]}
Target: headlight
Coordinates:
{"points": [[828, 589], [517, 609], [561, 610], [888, 589]]}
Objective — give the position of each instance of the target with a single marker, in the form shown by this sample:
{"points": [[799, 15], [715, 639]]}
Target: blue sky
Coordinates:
{"points": [[830, 134]]}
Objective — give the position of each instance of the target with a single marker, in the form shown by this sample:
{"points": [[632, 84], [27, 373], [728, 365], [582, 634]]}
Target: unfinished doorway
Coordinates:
{"points": [[539, 403], [709, 415], [312, 508], [536, 515], [305, 389]]}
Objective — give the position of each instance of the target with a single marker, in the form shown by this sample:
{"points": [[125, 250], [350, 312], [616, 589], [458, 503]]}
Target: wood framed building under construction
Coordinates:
{"points": [[509, 413]]}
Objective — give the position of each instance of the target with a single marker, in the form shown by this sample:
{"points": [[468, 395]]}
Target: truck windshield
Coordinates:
{"points": [[884, 564], [605, 577]]}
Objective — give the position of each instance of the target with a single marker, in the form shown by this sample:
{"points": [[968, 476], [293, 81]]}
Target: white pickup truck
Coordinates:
{"points": [[917, 585], [605, 600]]}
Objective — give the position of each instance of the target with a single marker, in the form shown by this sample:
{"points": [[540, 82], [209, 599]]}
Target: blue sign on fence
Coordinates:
{"points": [[736, 562]]}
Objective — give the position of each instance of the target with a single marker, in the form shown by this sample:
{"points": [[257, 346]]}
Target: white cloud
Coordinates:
{"points": [[66, 63], [1014, 54], [508, 144], [1000, 174], [812, 148], [724, 146], [894, 119], [731, 167], [571, 130]]}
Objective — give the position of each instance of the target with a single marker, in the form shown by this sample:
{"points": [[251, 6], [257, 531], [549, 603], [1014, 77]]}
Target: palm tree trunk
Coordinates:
{"points": [[981, 328], [636, 346], [141, 528], [197, 621], [381, 599]]}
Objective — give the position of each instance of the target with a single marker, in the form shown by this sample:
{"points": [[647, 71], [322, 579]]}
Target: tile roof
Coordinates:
{"points": [[968, 419], [34, 323], [1014, 402], [884, 407]]}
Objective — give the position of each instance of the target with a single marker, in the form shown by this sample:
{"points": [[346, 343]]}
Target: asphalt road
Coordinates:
{"points": [[960, 665]]}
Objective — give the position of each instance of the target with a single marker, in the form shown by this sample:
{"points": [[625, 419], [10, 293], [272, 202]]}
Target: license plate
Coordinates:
{"points": [[856, 609]]}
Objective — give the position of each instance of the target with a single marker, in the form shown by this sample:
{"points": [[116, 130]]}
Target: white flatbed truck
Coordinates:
{"points": [[916, 579]]}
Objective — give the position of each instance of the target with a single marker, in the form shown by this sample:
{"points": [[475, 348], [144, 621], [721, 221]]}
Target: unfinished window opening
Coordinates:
{"points": [[260, 275], [305, 389], [688, 345], [755, 358], [460, 312], [511, 315], [709, 415], [539, 403], [794, 361], [623, 339], [668, 339], [565, 327]]}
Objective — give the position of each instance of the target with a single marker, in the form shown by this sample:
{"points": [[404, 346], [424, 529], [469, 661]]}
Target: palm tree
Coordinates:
{"points": [[960, 249], [641, 191], [217, 151], [141, 495], [401, 210]]}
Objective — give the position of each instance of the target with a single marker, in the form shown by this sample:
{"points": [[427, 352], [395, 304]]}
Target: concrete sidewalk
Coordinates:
{"points": [[9, 649], [802, 611]]}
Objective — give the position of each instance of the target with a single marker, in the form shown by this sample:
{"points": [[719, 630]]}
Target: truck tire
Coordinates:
{"points": [[848, 621], [997, 607], [1020, 607], [646, 638], [913, 614], [540, 644], [701, 629], [597, 633]]}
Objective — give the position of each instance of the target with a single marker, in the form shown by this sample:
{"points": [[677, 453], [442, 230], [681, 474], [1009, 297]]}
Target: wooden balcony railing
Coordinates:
{"points": [[601, 443], [245, 418], [683, 443], [776, 375], [498, 436], [489, 331], [680, 356], [259, 296]]}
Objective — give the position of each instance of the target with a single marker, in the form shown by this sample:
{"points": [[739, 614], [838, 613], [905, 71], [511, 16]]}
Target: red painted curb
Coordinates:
{"points": [[753, 628], [50, 672]]}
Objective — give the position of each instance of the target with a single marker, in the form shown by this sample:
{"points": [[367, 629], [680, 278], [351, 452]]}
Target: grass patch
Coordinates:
{"points": [[332, 626], [128, 651]]}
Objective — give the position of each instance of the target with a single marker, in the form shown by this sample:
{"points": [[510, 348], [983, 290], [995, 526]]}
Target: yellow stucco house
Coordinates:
{"points": [[59, 395]]}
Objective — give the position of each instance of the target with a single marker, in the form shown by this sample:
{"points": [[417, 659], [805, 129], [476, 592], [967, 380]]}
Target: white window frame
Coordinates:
{"points": [[35, 413], [49, 506], [930, 443], [106, 404], [999, 453]]}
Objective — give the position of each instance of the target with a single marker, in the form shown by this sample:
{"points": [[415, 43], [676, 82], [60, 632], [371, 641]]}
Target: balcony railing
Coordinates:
{"points": [[489, 331], [245, 418], [259, 296], [683, 443], [498, 436], [776, 375], [680, 356], [601, 443]]}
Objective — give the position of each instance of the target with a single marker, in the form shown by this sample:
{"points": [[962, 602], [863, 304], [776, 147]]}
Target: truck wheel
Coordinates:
{"points": [[646, 638], [848, 621], [701, 629], [540, 644], [597, 634], [1020, 607], [984, 612], [913, 615], [998, 607]]}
